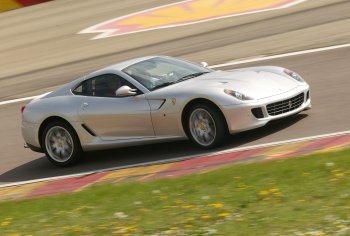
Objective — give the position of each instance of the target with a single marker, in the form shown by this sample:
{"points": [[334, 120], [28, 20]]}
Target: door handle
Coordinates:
{"points": [[84, 105]]}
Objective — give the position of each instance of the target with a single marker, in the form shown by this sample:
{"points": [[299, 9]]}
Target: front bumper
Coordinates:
{"points": [[241, 118]]}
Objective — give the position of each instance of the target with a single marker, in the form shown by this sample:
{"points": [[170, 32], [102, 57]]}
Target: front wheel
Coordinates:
{"points": [[206, 126], [61, 144]]}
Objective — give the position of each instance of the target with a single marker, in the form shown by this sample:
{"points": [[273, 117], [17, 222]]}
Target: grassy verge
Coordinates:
{"points": [[300, 196]]}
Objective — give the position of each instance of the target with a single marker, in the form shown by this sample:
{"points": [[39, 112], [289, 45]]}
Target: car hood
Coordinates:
{"points": [[257, 84]]}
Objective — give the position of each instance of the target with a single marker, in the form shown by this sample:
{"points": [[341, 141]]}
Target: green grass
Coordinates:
{"points": [[300, 196]]}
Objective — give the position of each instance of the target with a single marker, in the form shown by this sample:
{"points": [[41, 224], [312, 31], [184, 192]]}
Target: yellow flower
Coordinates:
{"points": [[205, 217], [216, 205], [190, 218], [169, 206], [128, 228], [188, 226], [263, 193], [5, 223], [339, 174], [320, 234], [144, 209], [341, 226], [188, 206], [84, 207], [224, 214], [274, 190]]}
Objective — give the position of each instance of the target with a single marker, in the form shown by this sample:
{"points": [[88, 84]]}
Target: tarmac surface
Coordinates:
{"points": [[40, 50]]}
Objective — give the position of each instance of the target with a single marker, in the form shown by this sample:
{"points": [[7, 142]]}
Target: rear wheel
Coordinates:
{"points": [[206, 126], [61, 144]]}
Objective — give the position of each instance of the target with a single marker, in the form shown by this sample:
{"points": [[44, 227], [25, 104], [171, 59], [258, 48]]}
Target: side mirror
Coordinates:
{"points": [[125, 91], [204, 64]]}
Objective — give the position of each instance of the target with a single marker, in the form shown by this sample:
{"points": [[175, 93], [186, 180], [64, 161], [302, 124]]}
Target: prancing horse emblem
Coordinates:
{"points": [[173, 101]]}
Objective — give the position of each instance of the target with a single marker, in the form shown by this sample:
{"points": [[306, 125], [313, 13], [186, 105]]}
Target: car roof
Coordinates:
{"points": [[116, 67], [122, 65]]}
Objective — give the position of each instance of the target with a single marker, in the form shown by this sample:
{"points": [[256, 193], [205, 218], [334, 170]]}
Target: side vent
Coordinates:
{"points": [[88, 130]]}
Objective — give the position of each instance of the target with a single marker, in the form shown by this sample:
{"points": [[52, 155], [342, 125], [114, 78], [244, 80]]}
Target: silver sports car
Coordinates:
{"points": [[157, 98]]}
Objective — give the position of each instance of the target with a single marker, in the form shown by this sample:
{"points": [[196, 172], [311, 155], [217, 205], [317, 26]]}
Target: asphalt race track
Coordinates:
{"points": [[304, 26]]}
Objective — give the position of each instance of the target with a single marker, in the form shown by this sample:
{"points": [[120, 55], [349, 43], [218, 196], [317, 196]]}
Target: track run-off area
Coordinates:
{"points": [[52, 53]]}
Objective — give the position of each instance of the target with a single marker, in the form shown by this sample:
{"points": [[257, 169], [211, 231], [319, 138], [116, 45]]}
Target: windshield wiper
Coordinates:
{"points": [[163, 85], [192, 76], [180, 80]]}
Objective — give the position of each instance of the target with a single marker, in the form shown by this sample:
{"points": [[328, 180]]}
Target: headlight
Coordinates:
{"points": [[293, 75], [238, 95]]}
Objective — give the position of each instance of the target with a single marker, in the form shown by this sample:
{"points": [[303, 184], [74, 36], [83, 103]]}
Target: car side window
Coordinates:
{"points": [[101, 86]]}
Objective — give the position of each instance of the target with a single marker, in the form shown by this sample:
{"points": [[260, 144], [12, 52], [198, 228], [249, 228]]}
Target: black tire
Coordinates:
{"points": [[68, 141], [218, 120]]}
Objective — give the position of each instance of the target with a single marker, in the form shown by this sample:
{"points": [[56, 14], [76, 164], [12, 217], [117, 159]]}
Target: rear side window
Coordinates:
{"points": [[101, 86], [86, 88]]}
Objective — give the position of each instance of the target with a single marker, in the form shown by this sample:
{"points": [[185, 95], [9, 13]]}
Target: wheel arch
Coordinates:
{"points": [[190, 104], [47, 121]]}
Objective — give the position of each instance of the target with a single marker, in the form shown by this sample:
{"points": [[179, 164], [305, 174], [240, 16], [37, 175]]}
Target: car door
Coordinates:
{"points": [[111, 117]]}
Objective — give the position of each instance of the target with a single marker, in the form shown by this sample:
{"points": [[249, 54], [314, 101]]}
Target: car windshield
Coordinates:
{"points": [[159, 72]]}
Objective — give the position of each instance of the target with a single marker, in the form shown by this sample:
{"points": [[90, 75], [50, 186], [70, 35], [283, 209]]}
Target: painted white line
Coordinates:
{"points": [[290, 54], [16, 100], [316, 137], [231, 63], [272, 144], [23, 99]]}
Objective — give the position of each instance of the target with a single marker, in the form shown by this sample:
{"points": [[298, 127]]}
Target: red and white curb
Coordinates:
{"points": [[177, 166]]}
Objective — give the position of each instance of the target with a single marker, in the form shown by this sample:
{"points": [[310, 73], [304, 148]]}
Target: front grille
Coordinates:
{"points": [[284, 106]]}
